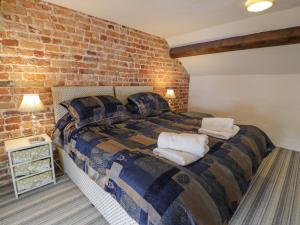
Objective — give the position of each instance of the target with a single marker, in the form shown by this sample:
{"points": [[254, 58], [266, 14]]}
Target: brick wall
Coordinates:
{"points": [[44, 45]]}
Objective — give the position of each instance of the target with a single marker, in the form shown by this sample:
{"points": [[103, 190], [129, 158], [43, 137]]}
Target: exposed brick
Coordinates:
{"points": [[28, 4], [34, 76], [31, 45], [37, 62], [5, 83], [11, 120], [77, 57], [103, 37], [46, 39], [11, 127], [32, 83], [48, 45], [11, 113], [13, 9], [110, 26], [11, 60], [52, 48], [5, 98], [4, 76], [39, 53], [10, 42], [4, 91]]}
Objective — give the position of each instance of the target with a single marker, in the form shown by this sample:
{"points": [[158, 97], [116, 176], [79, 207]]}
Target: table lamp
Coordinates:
{"points": [[33, 104], [170, 94]]}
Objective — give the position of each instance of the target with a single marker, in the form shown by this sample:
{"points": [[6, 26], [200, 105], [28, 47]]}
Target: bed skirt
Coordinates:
{"points": [[105, 204]]}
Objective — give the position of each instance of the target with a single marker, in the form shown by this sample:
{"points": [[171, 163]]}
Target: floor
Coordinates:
{"points": [[274, 195], [62, 203], [273, 198]]}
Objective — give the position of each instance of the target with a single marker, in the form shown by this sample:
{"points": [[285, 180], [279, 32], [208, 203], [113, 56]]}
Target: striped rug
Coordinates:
{"points": [[273, 198], [274, 194], [62, 203]]}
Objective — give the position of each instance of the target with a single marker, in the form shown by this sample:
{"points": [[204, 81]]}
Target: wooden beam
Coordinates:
{"points": [[258, 40]]}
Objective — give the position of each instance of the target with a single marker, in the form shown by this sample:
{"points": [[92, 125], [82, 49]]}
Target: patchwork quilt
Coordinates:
{"points": [[155, 191]]}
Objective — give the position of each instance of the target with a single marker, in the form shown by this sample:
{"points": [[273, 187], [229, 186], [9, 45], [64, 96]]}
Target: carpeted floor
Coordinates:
{"points": [[62, 203], [274, 195], [272, 199]]}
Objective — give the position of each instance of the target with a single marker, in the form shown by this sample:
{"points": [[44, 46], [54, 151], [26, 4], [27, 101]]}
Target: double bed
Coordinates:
{"points": [[115, 168]]}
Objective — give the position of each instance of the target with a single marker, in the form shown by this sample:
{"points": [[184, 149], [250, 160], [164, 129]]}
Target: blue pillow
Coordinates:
{"points": [[103, 109], [58, 133], [149, 104]]}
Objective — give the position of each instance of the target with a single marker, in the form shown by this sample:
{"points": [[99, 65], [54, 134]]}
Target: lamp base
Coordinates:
{"points": [[34, 124]]}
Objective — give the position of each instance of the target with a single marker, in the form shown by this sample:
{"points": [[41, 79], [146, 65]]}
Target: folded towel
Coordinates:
{"points": [[178, 157], [191, 143], [219, 134], [218, 124]]}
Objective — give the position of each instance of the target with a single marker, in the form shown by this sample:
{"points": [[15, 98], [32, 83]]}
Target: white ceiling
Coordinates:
{"points": [[167, 18], [271, 60]]}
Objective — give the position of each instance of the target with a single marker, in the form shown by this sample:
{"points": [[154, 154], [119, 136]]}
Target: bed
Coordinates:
{"points": [[119, 174]]}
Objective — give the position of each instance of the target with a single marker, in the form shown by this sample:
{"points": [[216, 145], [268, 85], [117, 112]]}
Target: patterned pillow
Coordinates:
{"points": [[132, 108], [57, 135], [149, 104], [104, 110]]}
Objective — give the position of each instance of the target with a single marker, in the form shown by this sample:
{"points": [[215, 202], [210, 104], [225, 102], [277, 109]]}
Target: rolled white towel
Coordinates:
{"points": [[219, 134], [178, 157], [218, 124], [191, 143]]}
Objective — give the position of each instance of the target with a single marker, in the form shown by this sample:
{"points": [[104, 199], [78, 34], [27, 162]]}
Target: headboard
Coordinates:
{"points": [[61, 94], [122, 92]]}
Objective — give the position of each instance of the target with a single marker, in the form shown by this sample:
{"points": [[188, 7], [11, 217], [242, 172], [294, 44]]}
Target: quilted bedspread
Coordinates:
{"points": [[155, 191]]}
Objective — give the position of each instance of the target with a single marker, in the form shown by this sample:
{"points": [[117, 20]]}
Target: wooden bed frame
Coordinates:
{"points": [[104, 202]]}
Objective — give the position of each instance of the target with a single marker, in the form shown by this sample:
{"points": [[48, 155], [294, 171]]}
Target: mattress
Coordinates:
{"points": [[152, 190]]}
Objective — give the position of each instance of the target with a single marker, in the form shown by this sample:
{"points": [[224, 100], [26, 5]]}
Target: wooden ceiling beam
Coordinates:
{"points": [[285, 36]]}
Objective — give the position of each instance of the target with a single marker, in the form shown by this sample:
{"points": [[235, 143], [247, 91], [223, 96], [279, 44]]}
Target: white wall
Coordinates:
{"points": [[267, 101], [257, 86]]}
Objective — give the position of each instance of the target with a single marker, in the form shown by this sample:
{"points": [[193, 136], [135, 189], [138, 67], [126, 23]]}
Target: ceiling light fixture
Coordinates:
{"points": [[258, 5]]}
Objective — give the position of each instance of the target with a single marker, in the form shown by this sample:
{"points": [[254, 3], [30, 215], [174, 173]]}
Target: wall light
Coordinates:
{"points": [[170, 95], [258, 5]]}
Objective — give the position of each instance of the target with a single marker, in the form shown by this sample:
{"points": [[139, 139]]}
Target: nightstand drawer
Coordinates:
{"points": [[30, 154], [32, 167], [31, 162], [33, 182]]}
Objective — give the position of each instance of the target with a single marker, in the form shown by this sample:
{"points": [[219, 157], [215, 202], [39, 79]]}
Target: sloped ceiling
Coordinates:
{"points": [[271, 60], [167, 18]]}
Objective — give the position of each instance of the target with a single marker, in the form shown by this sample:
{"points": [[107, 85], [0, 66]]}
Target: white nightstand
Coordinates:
{"points": [[31, 164]]}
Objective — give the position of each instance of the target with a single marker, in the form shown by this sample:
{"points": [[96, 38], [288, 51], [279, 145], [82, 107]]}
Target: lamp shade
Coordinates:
{"points": [[31, 103], [170, 93]]}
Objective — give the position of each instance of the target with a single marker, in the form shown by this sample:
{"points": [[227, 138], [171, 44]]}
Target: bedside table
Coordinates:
{"points": [[31, 164]]}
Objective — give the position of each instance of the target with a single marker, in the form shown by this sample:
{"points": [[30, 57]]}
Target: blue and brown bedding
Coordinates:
{"points": [[155, 191]]}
